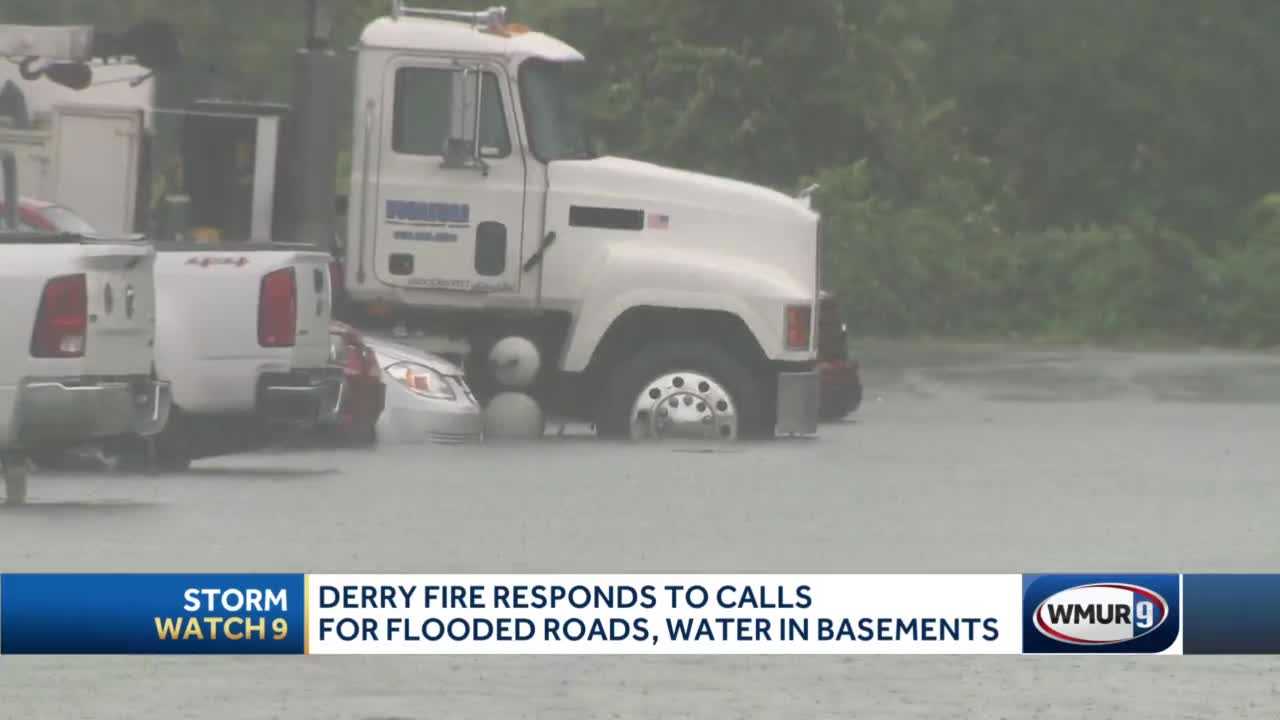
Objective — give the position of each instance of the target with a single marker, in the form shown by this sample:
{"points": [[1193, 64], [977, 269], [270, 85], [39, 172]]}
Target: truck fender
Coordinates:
{"points": [[632, 277]]}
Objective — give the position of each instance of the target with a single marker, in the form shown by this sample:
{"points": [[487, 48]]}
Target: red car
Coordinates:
{"points": [[841, 379], [364, 396], [42, 216]]}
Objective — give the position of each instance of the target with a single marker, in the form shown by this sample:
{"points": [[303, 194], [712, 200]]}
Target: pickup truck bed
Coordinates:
{"points": [[243, 336]]}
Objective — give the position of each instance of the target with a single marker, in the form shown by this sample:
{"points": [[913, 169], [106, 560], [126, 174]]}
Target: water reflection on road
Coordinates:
{"points": [[963, 459]]}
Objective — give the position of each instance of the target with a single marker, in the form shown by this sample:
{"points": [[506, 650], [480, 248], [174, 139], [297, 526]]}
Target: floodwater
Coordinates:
{"points": [[963, 459]]}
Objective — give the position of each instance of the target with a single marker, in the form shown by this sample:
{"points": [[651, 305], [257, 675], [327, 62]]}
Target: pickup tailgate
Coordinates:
{"points": [[86, 306], [78, 307], [211, 308], [315, 309], [121, 303]]}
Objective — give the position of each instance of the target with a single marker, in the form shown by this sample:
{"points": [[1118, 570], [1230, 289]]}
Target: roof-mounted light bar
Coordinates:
{"points": [[493, 18]]}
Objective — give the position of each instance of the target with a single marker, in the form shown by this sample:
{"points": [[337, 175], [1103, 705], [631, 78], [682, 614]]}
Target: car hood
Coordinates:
{"points": [[390, 353]]}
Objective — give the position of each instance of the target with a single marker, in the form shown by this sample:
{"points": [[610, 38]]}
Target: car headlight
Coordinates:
{"points": [[421, 380]]}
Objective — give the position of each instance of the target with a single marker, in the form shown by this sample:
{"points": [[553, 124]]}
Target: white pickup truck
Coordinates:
{"points": [[242, 330], [76, 342], [243, 337], [242, 334]]}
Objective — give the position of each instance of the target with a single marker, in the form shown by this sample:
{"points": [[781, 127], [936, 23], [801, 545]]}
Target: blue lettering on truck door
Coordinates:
{"points": [[411, 212]]}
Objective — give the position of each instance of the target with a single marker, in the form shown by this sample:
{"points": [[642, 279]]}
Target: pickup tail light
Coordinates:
{"points": [[356, 359], [799, 325], [354, 364], [63, 319], [361, 361], [278, 309]]}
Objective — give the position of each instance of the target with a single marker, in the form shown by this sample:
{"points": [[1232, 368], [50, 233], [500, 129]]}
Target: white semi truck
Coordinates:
{"points": [[663, 302]]}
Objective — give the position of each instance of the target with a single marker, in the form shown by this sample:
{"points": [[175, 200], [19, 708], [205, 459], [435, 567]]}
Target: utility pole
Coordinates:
{"points": [[311, 164]]}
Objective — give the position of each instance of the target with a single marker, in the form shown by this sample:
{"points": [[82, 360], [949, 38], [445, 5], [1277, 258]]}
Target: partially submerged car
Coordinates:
{"points": [[427, 398]]}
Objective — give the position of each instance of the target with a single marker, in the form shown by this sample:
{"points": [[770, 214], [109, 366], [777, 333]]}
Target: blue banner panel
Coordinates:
{"points": [[1099, 613], [1231, 615], [47, 614]]}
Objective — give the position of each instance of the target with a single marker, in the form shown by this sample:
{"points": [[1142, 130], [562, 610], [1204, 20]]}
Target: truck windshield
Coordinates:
{"points": [[551, 112]]}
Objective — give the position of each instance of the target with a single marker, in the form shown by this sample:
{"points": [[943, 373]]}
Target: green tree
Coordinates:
{"points": [[1094, 167]]}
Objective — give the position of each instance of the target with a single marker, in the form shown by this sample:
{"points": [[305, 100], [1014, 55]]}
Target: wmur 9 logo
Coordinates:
{"points": [[1100, 613]]}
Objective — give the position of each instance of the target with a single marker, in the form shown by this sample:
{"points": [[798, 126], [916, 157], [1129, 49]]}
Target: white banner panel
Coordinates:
{"points": [[664, 614]]}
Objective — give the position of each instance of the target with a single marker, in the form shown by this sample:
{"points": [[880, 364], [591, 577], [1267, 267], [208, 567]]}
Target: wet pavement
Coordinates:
{"points": [[963, 459]]}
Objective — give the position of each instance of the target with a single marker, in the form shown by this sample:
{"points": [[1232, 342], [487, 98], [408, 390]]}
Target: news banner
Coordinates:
{"points": [[295, 614]]}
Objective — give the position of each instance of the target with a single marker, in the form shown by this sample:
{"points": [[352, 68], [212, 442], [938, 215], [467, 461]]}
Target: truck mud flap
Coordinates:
{"points": [[799, 397]]}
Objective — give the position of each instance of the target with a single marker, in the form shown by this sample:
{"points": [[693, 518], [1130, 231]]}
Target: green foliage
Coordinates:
{"points": [[1094, 168], [1242, 282], [1078, 169], [947, 265]]}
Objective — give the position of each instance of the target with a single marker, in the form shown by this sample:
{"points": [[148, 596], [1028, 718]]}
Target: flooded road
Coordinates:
{"points": [[963, 459]]}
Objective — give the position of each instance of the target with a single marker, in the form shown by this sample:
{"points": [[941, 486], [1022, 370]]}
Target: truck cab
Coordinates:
{"points": [[662, 301]]}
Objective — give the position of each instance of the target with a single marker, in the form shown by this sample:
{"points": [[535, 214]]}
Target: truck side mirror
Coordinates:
{"points": [[462, 149], [459, 153]]}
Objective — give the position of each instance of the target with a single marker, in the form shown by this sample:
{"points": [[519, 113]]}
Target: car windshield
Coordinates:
{"points": [[551, 110]]}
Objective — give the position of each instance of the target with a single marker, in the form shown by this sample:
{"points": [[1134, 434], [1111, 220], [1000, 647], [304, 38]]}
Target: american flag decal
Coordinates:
{"points": [[659, 222]]}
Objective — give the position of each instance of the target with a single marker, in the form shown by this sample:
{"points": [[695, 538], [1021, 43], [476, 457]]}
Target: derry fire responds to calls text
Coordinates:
{"points": [[677, 614]]}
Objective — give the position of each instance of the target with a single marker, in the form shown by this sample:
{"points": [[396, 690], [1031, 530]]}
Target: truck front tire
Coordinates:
{"points": [[688, 389]]}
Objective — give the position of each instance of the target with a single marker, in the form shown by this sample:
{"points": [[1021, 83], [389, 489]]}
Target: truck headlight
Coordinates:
{"points": [[422, 380]]}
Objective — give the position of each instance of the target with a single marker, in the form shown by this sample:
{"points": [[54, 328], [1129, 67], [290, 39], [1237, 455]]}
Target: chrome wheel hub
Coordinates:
{"points": [[684, 405]]}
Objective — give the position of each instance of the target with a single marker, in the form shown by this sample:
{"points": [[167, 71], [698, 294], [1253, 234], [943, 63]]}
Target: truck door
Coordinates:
{"points": [[96, 164], [443, 224]]}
